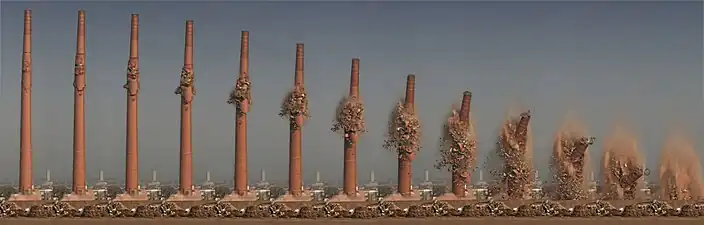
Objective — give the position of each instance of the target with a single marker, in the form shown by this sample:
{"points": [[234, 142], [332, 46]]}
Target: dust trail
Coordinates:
{"points": [[514, 151], [622, 165], [680, 169], [570, 159]]}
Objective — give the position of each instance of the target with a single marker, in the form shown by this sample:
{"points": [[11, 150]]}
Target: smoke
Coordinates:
{"points": [[570, 160], [680, 169], [622, 164]]}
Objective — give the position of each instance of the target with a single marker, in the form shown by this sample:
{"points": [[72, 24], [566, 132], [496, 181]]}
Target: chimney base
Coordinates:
{"points": [[305, 197], [397, 197], [358, 197], [182, 198], [234, 197], [88, 196], [452, 197], [25, 198], [128, 198]]}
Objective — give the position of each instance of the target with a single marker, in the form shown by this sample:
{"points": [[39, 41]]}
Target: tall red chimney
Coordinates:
{"points": [[294, 168], [187, 91], [404, 163], [132, 86], [350, 157], [26, 117], [79, 133], [241, 122]]}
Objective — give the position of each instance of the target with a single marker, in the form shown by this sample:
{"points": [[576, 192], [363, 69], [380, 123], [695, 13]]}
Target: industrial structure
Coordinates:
{"points": [[187, 191]]}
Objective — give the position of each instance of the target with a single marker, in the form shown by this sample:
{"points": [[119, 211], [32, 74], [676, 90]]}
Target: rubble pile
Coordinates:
{"points": [[377, 210]]}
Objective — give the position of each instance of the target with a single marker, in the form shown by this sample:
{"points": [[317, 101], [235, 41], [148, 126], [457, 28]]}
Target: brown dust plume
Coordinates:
{"points": [[514, 153], [570, 160], [680, 169], [622, 165]]}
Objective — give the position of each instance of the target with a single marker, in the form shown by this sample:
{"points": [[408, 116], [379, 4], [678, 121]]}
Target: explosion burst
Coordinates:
{"points": [[403, 135], [241, 92], [349, 117], [514, 151], [458, 147], [295, 104], [622, 166], [569, 163]]}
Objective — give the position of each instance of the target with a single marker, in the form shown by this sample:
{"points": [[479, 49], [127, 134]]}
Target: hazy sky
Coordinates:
{"points": [[602, 61]]}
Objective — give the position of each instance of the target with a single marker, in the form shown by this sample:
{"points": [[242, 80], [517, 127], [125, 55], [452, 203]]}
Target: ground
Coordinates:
{"points": [[438, 221]]}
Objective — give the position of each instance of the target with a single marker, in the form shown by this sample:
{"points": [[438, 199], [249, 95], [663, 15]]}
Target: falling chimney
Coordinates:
{"points": [[48, 175], [404, 163], [26, 114], [458, 176], [427, 176], [295, 163], [154, 175], [207, 176], [263, 175], [350, 153], [241, 122], [317, 176], [371, 176], [187, 91], [132, 87], [101, 177], [79, 133]]}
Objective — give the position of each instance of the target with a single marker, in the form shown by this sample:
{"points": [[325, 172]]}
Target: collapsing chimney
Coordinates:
{"points": [[187, 91], [349, 122], [295, 109], [403, 138], [132, 87], [458, 146]]}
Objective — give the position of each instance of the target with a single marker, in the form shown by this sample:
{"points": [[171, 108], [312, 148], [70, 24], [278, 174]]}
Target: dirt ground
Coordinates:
{"points": [[438, 221]]}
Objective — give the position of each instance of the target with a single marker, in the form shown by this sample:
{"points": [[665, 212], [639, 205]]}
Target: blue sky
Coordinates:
{"points": [[606, 61]]}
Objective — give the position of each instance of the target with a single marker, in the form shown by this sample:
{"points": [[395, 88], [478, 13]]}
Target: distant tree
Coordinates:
{"points": [[7, 191], [331, 191], [168, 191], [276, 192], [385, 190], [60, 190], [113, 191], [222, 191]]}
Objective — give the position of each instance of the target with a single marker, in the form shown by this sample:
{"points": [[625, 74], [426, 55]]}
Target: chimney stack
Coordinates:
{"points": [[460, 178], [187, 91], [295, 164], [132, 86], [241, 186], [79, 133], [26, 114], [350, 155], [404, 163]]}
